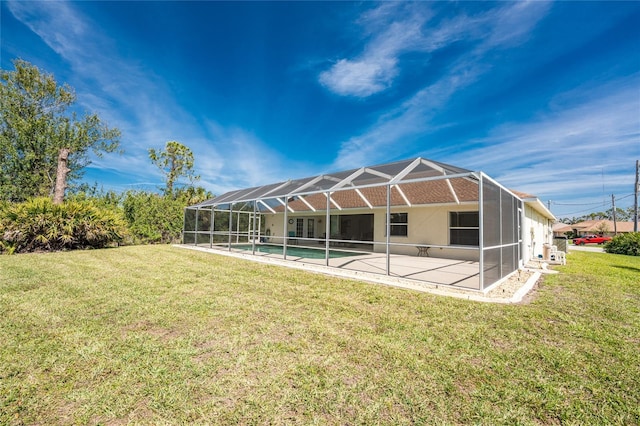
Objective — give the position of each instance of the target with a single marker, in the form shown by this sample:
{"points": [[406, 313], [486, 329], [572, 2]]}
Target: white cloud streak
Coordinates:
{"points": [[133, 98], [587, 143], [118, 90], [584, 142], [399, 28], [396, 129], [374, 70], [242, 160]]}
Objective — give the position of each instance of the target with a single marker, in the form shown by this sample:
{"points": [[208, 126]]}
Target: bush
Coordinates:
{"points": [[158, 219], [153, 218], [40, 225], [628, 244]]}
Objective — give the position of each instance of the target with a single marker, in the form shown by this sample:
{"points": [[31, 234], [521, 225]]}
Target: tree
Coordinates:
{"points": [[44, 145], [175, 161], [602, 228], [622, 215]]}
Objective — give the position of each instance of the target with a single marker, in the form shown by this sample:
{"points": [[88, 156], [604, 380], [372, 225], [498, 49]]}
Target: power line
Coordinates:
{"points": [[578, 204], [599, 203], [626, 196], [604, 204], [578, 212]]}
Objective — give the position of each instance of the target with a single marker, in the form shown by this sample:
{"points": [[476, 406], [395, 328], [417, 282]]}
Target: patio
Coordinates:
{"points": [[432, 271]]}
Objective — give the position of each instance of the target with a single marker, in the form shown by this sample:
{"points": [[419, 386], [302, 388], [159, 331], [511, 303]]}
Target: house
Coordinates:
{"points": [[560, 230], [600, 227], [398, 219]]}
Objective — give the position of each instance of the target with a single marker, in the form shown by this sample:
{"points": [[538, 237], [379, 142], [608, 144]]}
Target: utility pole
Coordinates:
{"points": [[635, 203], [613, 206]]}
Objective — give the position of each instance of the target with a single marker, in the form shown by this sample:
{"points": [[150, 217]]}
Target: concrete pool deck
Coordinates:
{"points": [[447, 277]]}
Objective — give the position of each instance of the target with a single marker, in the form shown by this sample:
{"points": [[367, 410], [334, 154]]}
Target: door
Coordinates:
{"points": [[311, 228], [305, 228]]}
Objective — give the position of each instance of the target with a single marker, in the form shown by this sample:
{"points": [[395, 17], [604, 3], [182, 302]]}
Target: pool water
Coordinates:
{"points": [[305, 252]]}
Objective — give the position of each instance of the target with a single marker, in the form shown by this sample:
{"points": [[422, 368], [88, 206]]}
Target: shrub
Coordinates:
{"points": [[158, 219], [628, 244], [153, 218], [40, 225]]}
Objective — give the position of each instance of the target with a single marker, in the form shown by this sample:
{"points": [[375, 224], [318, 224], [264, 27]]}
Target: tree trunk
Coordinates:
{"points": [[61, 176]]}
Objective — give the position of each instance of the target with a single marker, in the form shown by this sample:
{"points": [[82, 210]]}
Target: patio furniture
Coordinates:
{"points": [[557, 256], [292, 238]]}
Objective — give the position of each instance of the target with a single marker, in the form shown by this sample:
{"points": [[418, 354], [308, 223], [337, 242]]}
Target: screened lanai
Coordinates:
{"points": [[415, 219]]}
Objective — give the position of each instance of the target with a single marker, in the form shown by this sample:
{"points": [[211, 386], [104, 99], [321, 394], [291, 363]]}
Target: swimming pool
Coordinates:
{"points": [[305, 252]]}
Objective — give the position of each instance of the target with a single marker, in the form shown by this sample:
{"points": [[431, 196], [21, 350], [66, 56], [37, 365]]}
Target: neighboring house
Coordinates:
{"points": [[435, 210], [600, 227], [560, 230]]}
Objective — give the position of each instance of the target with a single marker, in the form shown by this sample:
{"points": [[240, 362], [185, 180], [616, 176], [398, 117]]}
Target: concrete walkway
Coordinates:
{"points": [[592, 248]]}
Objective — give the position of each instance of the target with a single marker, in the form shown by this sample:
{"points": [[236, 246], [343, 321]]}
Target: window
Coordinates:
{"points": [[464, 228], [399, 224]]}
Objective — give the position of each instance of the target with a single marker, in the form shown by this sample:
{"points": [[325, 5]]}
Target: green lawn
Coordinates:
{"points": [[161, 335]]}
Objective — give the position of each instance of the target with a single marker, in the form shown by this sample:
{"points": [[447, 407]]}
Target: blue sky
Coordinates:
{"points": [[543, 97]]}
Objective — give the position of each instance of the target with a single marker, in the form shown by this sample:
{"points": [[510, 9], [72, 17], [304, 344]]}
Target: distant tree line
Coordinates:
{"points": [[622, 215], [44, 147]]}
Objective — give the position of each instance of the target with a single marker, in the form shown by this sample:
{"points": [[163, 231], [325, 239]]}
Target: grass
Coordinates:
{"points": [[160, 335]]}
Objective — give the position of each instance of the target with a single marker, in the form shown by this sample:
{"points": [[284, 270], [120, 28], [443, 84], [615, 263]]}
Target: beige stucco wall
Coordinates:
{"points": [[537, 231], [427, 225], [275, 223]]}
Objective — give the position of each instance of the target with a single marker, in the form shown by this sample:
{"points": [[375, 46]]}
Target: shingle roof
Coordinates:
{"points": [[523, 195], [597, 225], [414, 193], [413, 182], [419, 180]]}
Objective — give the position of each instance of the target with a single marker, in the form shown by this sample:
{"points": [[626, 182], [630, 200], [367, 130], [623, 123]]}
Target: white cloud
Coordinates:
{"points": [[585, 145], [118, 90], [133, 98], [512, 24], [374, 70], [579, 147], [407, 27], [360, 78], [395, 130], [242, 160]]}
